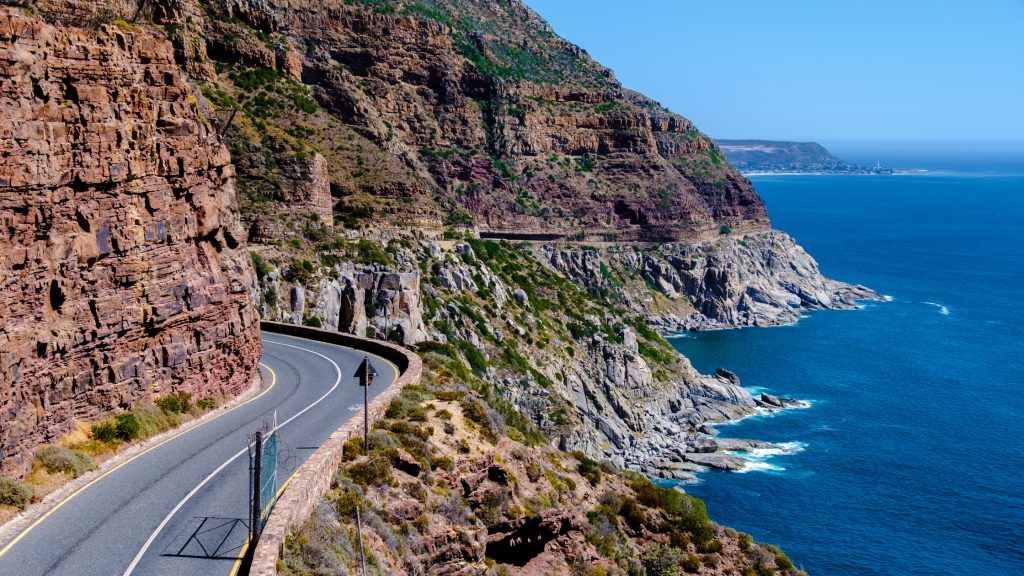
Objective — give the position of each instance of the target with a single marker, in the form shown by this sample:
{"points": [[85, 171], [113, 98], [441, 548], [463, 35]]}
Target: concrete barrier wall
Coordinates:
{"points": [[313, 479]]}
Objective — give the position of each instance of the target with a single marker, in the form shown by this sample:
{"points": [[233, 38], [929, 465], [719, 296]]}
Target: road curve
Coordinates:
{"points": [[104, 528]]}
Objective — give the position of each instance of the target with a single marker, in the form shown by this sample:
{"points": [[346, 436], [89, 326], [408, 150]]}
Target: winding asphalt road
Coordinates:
{"points": [[162, 513]]}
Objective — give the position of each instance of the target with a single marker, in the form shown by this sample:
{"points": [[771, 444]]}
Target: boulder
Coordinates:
{"points": [[406, 463], [407, 509]]}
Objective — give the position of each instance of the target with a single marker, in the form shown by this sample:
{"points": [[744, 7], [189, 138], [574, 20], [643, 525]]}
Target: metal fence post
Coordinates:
{"points": [[257, 506]]}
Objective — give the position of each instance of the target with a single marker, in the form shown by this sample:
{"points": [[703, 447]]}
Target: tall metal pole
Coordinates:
{"points": [[366, 417], [359, 526], [257, 506]]}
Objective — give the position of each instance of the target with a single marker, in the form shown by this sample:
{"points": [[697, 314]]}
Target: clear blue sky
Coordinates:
{"points": [[895, 70]]}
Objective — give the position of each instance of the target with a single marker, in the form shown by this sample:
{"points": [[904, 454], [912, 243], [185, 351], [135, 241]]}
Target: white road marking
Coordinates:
{"points": [[159, 528]]}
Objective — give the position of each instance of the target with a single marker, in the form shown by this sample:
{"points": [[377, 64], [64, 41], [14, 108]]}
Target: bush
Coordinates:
{"points": [[401, 428], [169, 403], [589, 469], [691, 564], [444, 463], [533, 471], [783, 562], [660, 560], [313, 322], [104, 432], [765, 570], [474, 411], [376, 468], [153, 420], [647, 493], [15, 494], [126, 427], [208, 403], [745, 540], [59, 459], [394, 409], [443, 414], [723, 230], [678, 539], [631, 512], [352, 449], [346, 505], [712, 546]]}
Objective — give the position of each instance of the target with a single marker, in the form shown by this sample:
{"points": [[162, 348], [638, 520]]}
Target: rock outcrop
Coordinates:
{"points": [[750, 280], [122, 270]]}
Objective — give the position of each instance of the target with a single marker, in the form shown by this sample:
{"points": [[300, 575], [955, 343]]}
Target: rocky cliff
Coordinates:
{"points": [[455, 113], [123, 273]]}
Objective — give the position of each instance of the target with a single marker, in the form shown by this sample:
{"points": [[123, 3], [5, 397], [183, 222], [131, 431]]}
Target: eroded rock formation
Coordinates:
{"points": [[122, 270]]}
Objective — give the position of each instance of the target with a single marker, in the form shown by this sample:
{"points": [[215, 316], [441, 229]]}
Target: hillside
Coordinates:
{"points": [[770, 156], [417, 115]]}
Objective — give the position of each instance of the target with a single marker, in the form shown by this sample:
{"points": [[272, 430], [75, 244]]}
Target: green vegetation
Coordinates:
{"points": [[723, 230], [65, 460], [15, 494]]}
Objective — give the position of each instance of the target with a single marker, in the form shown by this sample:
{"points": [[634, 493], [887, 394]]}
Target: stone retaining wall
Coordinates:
{"points": [[314, 477]]}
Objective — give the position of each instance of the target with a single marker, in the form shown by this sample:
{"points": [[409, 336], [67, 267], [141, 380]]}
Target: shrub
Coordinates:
{"points": [[712, 546], [589, 469], [383, 440], [126, 427], [783, 562], [443, 414], [691, 564], [533, 471], [394, 409], [401, 428], [375, 469], [647, 493], [765, 570], [678, 539], [313, 322], [631, 512], [444, 463], [260, 265], [612, 500], [745, 540], [59, 459], [352, 449], [660, 560], [153, 420], [748, 571], [104, 432], [474, 411], [208, 403], [723, 230], [346, 504], [169, 403], [15, 494]]}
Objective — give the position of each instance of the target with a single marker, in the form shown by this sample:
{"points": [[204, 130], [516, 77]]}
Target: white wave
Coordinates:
{"points": [[887, 298], [759, 459], [759, 467], [942, 309]]}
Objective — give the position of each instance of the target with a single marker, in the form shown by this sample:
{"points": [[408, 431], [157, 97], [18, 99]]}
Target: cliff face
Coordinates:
{"points": [[762, 280], [122, 270], [474, 115]]}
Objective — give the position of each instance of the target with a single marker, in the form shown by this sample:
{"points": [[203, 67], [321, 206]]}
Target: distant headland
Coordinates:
{"points": [[772, 157]]}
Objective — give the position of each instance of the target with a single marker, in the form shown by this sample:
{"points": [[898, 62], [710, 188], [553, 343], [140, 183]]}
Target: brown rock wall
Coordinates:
{"points": [[122, 270]]}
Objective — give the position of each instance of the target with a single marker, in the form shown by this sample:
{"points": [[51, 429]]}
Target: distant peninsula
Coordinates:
{"points": [[772, 157]]}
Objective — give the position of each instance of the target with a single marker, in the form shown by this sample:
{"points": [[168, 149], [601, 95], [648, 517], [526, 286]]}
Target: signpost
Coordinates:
{"points": [[365, 373]]}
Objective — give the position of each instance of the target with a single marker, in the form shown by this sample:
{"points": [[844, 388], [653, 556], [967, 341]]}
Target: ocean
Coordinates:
{"points": [[910, 459]]}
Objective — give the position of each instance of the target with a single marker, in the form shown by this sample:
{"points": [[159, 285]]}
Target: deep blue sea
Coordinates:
{"points": [[910, 459]]}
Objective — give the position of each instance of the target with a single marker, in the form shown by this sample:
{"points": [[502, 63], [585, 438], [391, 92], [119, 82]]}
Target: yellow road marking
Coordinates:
{"points": [[151, 448]]}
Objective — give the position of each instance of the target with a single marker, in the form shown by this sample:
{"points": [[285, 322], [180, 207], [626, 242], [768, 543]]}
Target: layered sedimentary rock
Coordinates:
{"points": [[122, 270]]}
